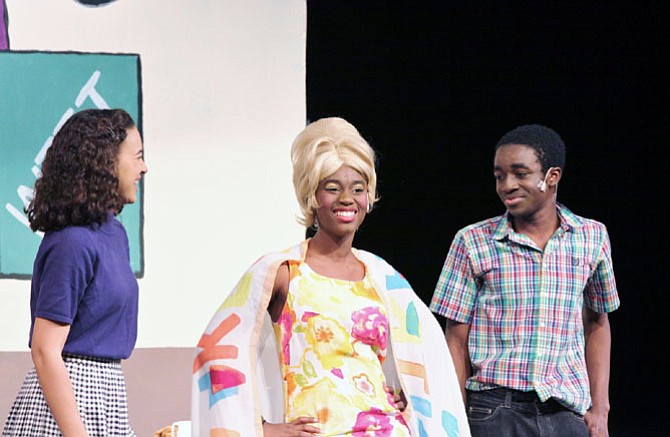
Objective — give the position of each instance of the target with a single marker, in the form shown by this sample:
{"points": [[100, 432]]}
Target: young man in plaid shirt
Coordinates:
{"points": [[526, 296]]}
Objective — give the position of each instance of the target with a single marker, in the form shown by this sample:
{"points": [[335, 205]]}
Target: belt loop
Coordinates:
{"points": [[508, 399]]}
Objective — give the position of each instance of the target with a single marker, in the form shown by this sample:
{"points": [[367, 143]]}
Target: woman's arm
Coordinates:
{"points": [[46, 348], [279, 292]]}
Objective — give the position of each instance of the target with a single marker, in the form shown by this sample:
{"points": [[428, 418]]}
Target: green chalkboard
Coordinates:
{"points": [[38, 92]]}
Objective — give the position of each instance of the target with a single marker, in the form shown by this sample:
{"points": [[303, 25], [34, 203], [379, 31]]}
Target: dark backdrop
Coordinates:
{"points": [[433, 86]]}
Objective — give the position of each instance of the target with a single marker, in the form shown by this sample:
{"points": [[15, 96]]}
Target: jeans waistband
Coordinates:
{"points": [[507, 396], [514, 395]]}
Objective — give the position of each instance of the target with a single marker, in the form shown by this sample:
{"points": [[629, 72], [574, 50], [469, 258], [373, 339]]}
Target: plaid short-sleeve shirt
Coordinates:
{"points": [[524, 305]]}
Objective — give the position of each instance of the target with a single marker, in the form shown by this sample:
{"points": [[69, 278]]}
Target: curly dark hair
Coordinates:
{"points": [[79, 183], [548, 145]]}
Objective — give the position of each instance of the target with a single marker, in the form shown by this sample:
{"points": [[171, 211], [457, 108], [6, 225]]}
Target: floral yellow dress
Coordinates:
{"points": [[333, 336]]}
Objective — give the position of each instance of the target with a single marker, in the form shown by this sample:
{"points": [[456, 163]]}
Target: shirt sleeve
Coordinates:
{"points": [[65, 271], [601, 292], [456, 289]]}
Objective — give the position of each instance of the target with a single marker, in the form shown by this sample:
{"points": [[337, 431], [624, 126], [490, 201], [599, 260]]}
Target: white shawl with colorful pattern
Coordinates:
{"points": [[236, 374]]}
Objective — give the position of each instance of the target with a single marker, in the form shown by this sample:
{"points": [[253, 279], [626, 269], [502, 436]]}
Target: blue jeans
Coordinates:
{"points": [[510, 413]]}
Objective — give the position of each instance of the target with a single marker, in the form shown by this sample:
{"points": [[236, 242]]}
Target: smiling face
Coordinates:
{"points": [[518, 175], [343, 203], [130, 165]]}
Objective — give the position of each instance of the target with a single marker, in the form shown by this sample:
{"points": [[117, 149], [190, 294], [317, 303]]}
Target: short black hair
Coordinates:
{"points": [[548, 145]]}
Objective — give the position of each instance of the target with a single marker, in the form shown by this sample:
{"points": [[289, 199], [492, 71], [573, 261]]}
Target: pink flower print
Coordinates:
{"points": [[307, 315], [370, 327], [372, 423], [400, 418], [363, 384], [285, 323]]}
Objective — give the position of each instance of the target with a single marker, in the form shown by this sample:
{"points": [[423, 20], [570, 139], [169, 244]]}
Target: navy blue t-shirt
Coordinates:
{"points": [[82, 277]]}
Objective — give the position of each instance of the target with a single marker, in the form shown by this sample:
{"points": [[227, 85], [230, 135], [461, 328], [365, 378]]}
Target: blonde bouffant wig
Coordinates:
{"points": [[319, 151]]}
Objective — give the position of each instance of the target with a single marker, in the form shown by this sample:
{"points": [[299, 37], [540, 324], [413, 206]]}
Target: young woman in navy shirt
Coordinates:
{"points": [[84, 295]]}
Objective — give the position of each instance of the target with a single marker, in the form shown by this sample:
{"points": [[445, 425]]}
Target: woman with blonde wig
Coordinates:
{"points": [[354, 350]]}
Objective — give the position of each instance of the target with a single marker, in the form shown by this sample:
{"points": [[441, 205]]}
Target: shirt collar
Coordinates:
{"points": [[568, 222]]}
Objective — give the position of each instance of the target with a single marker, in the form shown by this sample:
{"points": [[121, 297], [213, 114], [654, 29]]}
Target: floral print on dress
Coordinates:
{"points": [[330, 341], [372, 423], [285, 325], [333, 336], [364, 385], [323, 401], [371, 327]]}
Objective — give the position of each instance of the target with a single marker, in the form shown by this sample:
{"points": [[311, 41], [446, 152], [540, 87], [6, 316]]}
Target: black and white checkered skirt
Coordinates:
{"points": [[100, 390]]}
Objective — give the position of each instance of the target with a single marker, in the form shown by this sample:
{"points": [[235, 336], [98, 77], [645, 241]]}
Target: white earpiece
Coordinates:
{"points": [[542, 185]]}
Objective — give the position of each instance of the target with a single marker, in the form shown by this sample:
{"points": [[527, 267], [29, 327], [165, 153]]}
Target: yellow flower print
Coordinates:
{"points": [[363, 289], [329, 340], [321, 296], [323, 401]]}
